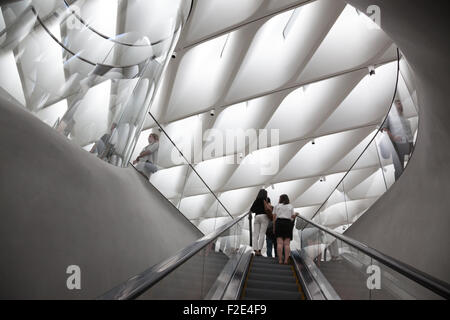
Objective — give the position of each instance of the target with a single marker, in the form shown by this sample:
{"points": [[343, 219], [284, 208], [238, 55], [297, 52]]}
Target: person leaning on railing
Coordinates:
{"points": [[146, 161]]}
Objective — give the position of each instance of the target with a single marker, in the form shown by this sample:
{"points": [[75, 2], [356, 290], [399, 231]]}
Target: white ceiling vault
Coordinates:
{"points": [[295, 67], [300, 67]]}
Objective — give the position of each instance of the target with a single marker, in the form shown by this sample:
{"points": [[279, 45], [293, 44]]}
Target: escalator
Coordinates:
{"points": [[221, 266], [268, 280], [187, 282]]}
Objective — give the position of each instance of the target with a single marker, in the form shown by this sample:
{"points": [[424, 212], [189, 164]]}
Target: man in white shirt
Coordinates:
{"points": [[146, 161]]}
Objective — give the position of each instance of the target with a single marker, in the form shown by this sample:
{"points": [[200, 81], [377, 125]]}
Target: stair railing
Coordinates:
{"points": [[435, 285], [141, 283]]}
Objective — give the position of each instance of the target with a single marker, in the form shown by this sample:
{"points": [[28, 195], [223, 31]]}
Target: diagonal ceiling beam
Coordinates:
{"points": [[284, 88], [240, 25]]}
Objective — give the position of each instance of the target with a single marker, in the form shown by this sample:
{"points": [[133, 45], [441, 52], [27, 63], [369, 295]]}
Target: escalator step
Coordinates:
{"points": [[284, 286], [270, 281], [270, 265], [265, 260], [270, 271], [271, 277], [252, 293]]}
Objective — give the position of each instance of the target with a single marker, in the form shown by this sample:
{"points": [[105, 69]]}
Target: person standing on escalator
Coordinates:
{"points": [[271, 241], [260, 208], [283, 216], [270, 237], [399, 131]]}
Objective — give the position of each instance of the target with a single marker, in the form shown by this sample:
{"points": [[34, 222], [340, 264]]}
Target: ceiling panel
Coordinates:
{"points": [[275, 56], [314, 159], [304, 109], [349, 44]]}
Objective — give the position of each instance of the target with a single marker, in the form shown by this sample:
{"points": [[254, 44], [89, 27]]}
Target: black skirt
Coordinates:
{"points": [[283, 228]]}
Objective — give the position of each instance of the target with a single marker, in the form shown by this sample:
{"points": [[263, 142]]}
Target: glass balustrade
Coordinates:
{"points": [[381, 162], [354, 274], [195, 278], [180, 182]]}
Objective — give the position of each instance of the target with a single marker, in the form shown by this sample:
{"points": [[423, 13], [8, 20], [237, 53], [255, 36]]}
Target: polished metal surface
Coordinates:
{"points": [[315, 285], [234, 288], [310, 286], [138, 284], [231, 276]]}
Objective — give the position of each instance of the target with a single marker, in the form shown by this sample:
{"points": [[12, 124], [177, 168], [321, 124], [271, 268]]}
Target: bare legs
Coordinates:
{"points": [[280, 250], [287, 250]]}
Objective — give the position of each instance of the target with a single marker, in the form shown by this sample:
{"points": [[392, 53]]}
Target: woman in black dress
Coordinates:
{"points": [[283, 216]]}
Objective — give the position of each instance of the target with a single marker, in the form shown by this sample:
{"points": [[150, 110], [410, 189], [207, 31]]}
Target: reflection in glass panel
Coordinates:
{"points": [[195, 278], [380, 159], [103, 58]]}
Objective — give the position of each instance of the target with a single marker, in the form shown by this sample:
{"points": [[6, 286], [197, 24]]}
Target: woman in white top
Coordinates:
{"points": [[283, 217]]}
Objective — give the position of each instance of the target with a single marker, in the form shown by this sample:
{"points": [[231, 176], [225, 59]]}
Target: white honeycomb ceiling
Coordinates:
{"points": [[310, 83], [299, 67]]}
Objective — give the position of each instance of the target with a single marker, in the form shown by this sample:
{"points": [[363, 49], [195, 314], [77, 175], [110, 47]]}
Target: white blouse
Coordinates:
{"points": [[284, 211]]}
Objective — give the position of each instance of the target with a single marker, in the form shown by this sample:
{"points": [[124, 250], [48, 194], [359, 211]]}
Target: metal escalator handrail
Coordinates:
{"points": [[137, 285], [439, 287]]}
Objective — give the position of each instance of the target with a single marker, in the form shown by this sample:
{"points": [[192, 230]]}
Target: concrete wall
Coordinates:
{"points": [[61, 206], [411, 221]]}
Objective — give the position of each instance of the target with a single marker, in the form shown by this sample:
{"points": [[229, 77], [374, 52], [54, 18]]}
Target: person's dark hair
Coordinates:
{"points": [[262, 195], [268, 200], [284, 199]]}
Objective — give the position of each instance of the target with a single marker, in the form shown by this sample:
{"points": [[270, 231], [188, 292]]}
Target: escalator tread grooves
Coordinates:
{"points": [[297, 282]]}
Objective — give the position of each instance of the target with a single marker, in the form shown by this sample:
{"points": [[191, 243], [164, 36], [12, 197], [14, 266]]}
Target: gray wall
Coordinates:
{"points": [[411, 221], [60, 205]]}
